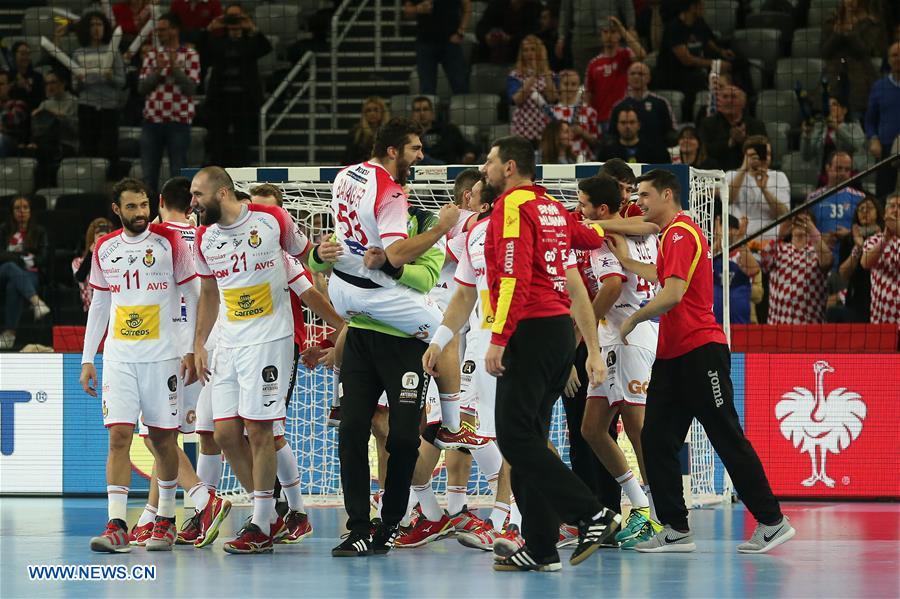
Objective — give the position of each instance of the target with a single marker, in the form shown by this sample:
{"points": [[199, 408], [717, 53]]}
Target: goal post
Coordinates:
{"points": [[307, 196]]}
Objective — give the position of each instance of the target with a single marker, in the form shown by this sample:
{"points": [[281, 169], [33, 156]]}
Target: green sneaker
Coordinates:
{"points": [[637, 519], [644, 534]]}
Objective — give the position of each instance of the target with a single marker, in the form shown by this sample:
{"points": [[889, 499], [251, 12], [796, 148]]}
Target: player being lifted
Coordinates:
{"points": [[239, 253], [624, 392], [140, 274]]}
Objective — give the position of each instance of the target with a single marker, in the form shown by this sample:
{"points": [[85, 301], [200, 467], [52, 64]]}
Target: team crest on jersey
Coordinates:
{"points": [[245, 301], [134, 320], [254, 240], [149, 260]]}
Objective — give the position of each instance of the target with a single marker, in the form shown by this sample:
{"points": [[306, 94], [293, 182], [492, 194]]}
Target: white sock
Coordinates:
{"points": [[488, 458], [117, 499], [633, 490], [499, 514], [264, 510], [428, 502], [147, 516], [199, 494], [209, 469], [649, 495], [410, 505], [289, 477], [450, 410], [380, 505], [515, 516], [166, 507], [456, 499]]}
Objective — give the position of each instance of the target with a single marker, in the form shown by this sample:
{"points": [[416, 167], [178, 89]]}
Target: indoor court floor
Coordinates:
{"points": [[841, 550]]}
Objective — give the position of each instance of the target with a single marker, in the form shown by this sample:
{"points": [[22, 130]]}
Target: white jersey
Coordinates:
{"points": [[472, 272], [247, 260], [370, 210], [142, 275], [635, 293], [456, 244]]}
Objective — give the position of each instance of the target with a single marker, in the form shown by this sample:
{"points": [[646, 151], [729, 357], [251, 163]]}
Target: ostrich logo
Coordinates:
{"points": [[816, 423]]}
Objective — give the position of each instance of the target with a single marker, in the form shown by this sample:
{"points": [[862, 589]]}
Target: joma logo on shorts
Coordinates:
{"points": [[716, 387]]}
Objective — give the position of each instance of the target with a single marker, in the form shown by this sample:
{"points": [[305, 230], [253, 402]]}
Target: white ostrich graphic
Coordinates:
{"points": [[819, 423]]}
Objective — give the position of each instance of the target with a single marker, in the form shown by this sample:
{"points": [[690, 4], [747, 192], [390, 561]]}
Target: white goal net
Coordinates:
{"points": [[307, 193]]}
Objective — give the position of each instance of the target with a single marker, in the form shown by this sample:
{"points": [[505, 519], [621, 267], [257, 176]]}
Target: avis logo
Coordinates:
{"points": [[817, 424], [8, 400]]}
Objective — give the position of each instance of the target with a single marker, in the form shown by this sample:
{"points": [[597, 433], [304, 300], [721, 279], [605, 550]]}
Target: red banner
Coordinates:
{"points": [[826, 425]]}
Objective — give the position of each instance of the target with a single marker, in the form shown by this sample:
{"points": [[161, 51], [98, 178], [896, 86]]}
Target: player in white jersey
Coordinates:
{"points": [[239, 253], [139, 276], [210, 510], [624, 391]]}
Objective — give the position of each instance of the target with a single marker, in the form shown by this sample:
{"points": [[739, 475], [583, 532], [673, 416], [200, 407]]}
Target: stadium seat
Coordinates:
{"points": [[52, 194], [721, 16], [129, 142], [474, 109], [775, 105], [88, 174], [779, 140], [819, 10], [270, 63], [401, 104], [674, 97], [701, 101], [498, 131], [282, 20], [763, 44], [137, 171], [772, 19], [17, 174], [38, 21], [799, 172], [807, 43], [806, 71], [443, 85], [489, 78], [88, 206], [759, 74], [197, 149], [472, 133]]}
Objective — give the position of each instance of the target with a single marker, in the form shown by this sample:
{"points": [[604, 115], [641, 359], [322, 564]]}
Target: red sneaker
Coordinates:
{"points": [[465, 437], [113, 540], [509, 542], [473, 532], [568, 535], [425, 531], [190, 531], [141, 534], [163, 535], [298, 528], [211, 518], [278, 530], [250, 540]]}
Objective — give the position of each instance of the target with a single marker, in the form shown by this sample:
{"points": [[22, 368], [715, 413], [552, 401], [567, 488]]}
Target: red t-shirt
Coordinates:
{"points": [[607, 80], [527, 252], [684, 253], [198, 16]]}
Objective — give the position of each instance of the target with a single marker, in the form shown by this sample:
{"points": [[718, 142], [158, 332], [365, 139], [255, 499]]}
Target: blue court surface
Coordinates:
{"points": [[841, 550]]}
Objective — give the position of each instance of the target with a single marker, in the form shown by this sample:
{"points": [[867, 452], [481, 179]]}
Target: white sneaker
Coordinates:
{"points": [[668, 540], [40, 310], [766, 537], [7, 340]]}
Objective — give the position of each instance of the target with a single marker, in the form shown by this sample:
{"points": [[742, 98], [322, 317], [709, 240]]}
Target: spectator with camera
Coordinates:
{"points": [[758, 194], [821, 137]]}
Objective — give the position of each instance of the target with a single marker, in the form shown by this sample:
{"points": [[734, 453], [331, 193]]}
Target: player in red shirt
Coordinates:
{"points": [[691, 379]]}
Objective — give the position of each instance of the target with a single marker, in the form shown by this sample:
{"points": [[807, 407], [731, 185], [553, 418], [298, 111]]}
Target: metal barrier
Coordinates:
{"points": [[309, 58], [337, 37]]}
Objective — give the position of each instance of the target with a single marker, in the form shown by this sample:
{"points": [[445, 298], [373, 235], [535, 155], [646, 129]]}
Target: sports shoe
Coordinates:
{"points": [[472, 531], [298, 527], [355, 544], [668, 540], [334, 417], [141, 534], [568, 536], [599, 532], [250, 540], [211, 519], [190, 531], [278, 530], [523, 561], [509, 542], [385, 538], [425, 531], [164, 533], [113, 540], [40, 310], [767, 537], [635, 523], [466, 437]]}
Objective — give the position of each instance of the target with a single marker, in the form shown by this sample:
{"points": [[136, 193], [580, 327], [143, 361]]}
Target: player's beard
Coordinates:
{"points": [[402, 171], [211, 214], [489, 193], [136, 229]]}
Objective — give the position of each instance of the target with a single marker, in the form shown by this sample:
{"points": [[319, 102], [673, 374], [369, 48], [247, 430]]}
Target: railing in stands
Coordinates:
{"points": [[337, 37], [309, 58]]}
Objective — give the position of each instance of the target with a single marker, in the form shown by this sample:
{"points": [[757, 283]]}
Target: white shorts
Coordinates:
{"points": [[479, 394], [190, 399], [205, 422], [627, 375], [148, 392], [250, 382], [432, 403], [405, 309]]}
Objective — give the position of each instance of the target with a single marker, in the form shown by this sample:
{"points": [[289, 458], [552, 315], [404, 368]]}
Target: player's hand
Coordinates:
{"points": [[430, 358], [329, 358], [619, 248], [88, 379], [626, 328], [201, 365], [596, 368], [311, 356], [493, 360], [448, 217], [330, 251], [187, 370], [572, 384], [875, 147], [374, 258]]}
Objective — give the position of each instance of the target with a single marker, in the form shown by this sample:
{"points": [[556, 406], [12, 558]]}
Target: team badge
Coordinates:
{"points": [[134, 320], [149, 260], [270, 374], [410, 380], [172, 383], [245, 301], [254, 240], [611, 359]]}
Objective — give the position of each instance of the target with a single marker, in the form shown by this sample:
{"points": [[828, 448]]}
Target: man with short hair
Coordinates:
{"points": [[834, 214], [883, 119], [629, 146], [442, 143], [654, 112], [723, 134], [61, 106], [268, 194]]}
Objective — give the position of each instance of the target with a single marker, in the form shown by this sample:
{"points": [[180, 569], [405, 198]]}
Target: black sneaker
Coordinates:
{"points": [[383, 537], [523, 561], [600, 532], [355, 544]]}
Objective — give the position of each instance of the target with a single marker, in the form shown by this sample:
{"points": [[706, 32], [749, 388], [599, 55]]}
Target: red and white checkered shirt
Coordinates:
{"points": [[167, 103], [583, 116], [797, 284], [529, 119], [885, 280]]}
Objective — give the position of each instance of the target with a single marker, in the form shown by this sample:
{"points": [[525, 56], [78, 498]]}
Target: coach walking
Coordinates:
{"points": [[691, 379]]}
